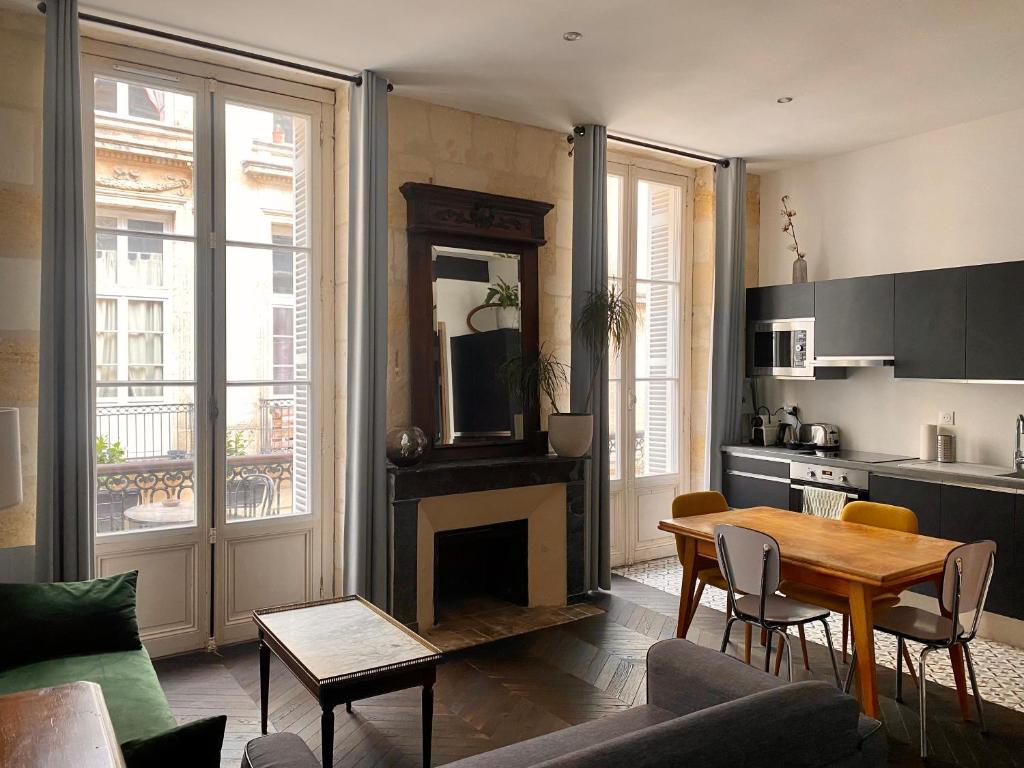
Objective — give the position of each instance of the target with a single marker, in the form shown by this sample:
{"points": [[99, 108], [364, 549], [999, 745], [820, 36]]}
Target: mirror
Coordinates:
{"points": [[477, 342]]}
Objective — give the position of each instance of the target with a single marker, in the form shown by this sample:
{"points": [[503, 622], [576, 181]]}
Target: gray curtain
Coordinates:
{"points": [[590, 274], [64, 527], [366, 522], [727, 335]]}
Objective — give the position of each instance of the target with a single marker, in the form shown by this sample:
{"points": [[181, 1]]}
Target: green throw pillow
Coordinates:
{"points": [[71, 618], [196, 745]]}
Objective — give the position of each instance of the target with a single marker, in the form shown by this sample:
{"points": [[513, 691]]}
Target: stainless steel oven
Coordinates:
{"points": [[781, 348], [854, 482]]}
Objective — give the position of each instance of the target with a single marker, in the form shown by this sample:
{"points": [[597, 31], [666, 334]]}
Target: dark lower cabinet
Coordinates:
{"points": [[919, 496], [969, 514], [1018, 551], [854, 317], [746, 491], [931, 324], [994, 348]]}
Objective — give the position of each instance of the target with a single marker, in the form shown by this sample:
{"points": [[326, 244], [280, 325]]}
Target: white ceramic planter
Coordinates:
{"points": [[570, 434], [508, 317]]}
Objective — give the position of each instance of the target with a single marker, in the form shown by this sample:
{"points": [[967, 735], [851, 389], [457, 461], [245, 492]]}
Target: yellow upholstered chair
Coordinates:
{"points": [[871, 513], [708, 572]]}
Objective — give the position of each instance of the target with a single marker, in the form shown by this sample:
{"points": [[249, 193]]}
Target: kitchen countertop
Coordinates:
{"points": [[958, 473]]}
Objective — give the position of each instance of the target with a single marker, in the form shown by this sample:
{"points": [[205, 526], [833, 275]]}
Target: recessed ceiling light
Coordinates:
{"points": [[784, 99], [572, 37]]}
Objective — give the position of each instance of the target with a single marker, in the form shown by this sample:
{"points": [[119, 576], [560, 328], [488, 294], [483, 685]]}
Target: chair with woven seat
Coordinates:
{"points": [[751, 562], [966, 576], [871, 513]]}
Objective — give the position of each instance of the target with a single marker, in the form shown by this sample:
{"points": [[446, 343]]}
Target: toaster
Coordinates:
{"points": [[819, 435]]}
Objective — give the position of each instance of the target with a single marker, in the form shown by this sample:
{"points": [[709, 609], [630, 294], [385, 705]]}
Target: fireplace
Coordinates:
{"points": [[479, 568]]}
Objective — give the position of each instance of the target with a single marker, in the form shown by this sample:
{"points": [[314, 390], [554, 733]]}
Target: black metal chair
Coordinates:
{"points": [[111, 506], [250, 495]]}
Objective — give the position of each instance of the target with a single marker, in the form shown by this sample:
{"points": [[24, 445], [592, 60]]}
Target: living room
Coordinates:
{"points": [[485, 388]]}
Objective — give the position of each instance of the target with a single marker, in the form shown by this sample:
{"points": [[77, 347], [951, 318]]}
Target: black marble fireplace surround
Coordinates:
{"points": [[407, 485]]}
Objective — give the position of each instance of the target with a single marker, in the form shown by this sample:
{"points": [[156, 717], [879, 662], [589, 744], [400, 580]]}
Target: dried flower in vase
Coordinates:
{"points": [[799, 264]]}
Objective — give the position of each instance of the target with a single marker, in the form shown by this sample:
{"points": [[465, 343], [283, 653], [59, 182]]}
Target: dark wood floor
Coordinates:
{"points": [[526, 686]]}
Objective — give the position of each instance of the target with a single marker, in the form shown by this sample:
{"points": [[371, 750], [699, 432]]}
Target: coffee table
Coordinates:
{"points": [[343, 650]]}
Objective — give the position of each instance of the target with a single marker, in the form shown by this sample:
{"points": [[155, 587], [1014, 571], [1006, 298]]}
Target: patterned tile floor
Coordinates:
{"points": [[1000, 667]]}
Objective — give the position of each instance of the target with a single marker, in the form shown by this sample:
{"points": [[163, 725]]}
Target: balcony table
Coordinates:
{"points": [[158, 513], [847, 559]]}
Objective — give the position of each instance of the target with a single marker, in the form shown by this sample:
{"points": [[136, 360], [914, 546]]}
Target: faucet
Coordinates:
{"points": [[1018, 454]]}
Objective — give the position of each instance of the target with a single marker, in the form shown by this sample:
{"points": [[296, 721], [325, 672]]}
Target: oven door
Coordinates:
{"points": [[781, 348], [796, 493]]}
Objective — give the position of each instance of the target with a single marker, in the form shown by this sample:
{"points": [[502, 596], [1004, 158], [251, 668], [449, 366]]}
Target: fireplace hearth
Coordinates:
{"points": [[480, 568]]}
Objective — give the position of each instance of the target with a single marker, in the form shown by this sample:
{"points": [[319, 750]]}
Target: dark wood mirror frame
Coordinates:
{"points": [[460, 218]]}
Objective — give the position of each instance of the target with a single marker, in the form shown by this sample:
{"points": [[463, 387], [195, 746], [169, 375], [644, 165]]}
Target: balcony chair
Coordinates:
{"points": [[250, 495], [751, 563]]}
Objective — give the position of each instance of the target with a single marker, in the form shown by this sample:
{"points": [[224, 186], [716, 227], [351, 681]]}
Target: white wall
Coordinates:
{"points": [[945, 198]]}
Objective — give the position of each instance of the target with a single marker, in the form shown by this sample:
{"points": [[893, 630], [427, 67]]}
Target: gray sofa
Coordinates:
{"points": [[704, 708]]}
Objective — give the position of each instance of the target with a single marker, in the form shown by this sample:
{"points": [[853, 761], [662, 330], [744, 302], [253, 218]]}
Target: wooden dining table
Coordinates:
{"points": [[846, 559]]}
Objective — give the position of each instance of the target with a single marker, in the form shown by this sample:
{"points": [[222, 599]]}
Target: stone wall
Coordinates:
{"points": [[21, 96], [440, 145]]}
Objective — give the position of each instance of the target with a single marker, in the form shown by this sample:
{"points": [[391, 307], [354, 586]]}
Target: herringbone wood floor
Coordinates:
{"points": [[526, 686]]}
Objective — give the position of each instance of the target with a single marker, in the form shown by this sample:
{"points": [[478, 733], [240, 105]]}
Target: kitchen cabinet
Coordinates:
{"points": [[919, 496], [780, 302], [994, 348], [854, 317], [969, 514], [1018, 553], [750, 482], [931, 324]]}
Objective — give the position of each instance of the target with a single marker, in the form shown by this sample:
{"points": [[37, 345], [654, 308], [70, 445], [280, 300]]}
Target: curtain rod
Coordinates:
{"points": [[196, 43], [723, 162]]}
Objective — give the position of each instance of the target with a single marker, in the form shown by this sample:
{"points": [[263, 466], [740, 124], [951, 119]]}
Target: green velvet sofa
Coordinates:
{"points": [[64, 632]]}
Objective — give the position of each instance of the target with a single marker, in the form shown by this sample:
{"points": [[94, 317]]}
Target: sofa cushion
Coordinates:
{"points": [[568, 740], [73, 618], [196, 744], [132, 692]]}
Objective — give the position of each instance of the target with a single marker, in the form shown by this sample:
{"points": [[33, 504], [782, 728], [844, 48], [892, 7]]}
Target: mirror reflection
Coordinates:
{"points": [[476, 333]]}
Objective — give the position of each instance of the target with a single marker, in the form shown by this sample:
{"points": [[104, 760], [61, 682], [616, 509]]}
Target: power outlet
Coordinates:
{"points": [[947, 418], [790, 409]]}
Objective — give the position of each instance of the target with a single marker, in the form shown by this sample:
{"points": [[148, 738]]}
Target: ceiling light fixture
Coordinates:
{"points": [[572, 37], [784, 99]]}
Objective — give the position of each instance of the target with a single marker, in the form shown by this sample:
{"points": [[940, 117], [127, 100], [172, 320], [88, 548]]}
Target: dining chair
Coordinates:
{"points": [[966, 576], [751, 563], [871, 513]]}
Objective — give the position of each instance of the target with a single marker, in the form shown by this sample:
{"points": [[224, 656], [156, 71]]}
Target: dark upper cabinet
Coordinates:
{"points": [[780, 302], [931, 324], [969, 514], [854, 317], [919, 496], [994, 304]]}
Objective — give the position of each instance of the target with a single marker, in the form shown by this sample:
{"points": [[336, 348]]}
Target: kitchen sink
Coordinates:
{"points": [[1018, 475]]}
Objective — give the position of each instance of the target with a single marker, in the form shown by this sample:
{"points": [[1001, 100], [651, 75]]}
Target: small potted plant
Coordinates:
{"points": [[605, 320], [505, 297]]}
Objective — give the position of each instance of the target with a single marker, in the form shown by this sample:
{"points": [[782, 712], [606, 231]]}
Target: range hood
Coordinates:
{"points": [[864, 361]]}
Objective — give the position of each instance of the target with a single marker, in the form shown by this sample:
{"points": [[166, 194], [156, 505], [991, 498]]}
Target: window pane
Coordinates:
{"points": [[615, 225], [145, 167], [657, 330], [267, 446], [106, 345], [260, 321], [614, 429], [145, 345], [145, 462], [657, 433], [264, 174], [657, 231]]}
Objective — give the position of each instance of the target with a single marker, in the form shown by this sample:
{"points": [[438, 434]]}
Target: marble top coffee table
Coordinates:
{"points": [[343, 650]]}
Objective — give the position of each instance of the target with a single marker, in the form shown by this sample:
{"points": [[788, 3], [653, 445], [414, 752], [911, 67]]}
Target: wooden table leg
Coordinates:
{"points": [[327, 737], [428, 720], [688, 586], [264, 683], [863, 626]]}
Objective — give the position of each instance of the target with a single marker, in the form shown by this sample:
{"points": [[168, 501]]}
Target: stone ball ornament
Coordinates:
{"points": [[405, 446]]}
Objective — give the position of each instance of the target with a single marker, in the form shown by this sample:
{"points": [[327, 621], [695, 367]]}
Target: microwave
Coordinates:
{"points": [[783, 348]]}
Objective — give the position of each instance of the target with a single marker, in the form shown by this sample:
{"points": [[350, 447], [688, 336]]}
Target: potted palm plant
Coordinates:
{"points": [[546, 375], [605, 320]]}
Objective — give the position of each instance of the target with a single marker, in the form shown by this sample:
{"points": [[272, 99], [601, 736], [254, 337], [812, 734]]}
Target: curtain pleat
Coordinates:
{"points": [[727, 336], [589, 275], [366, 520], [64, 526]]}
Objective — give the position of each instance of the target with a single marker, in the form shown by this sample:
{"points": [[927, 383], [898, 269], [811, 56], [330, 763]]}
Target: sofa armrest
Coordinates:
{"points": [[803, 725], [684, 678]]}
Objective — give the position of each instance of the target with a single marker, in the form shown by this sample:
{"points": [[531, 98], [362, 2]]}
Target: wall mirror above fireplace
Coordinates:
{"points": [[473, 314]]}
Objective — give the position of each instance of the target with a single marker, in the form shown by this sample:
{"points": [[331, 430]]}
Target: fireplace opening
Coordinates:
{"points": [[479, 568]]}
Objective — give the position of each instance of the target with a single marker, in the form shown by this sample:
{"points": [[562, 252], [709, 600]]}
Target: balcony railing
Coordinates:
{"points": [[148, 431]]}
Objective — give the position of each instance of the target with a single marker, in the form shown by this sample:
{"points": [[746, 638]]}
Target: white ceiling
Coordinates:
{"points": [[703, 75]]}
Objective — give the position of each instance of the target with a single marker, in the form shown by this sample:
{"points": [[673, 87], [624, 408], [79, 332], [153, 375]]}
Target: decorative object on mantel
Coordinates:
{"points": [[547, 375], [606, 318], [405, 446], [800, 262]]}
